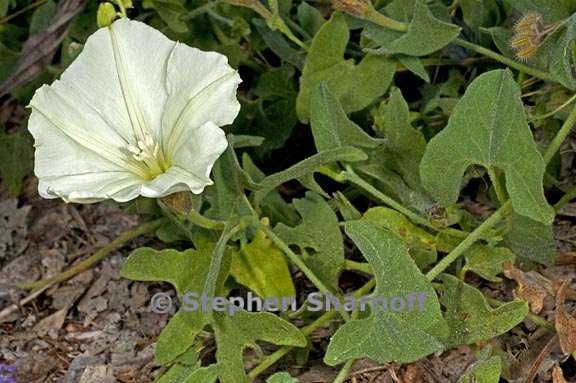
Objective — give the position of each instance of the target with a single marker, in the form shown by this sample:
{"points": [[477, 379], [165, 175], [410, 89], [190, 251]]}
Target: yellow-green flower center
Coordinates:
{"points": [[149, 157]]}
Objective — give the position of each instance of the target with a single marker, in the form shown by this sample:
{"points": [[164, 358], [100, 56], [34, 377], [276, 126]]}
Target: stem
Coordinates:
{"points": [[216, 261], [569, 196], [343, 374], [377, 18], [207, 223], [200, 10], [358, 266], [358, 181], [560, 136], [293, 257], [268, 361], [96, 257], [388, 23], [469, 241], [552, 113], [505, 60]]}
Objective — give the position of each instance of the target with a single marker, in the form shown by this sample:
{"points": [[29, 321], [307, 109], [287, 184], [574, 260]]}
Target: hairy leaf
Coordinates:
{"points": [[486, 370], [530, 239], [355, 85], [488, 127], [16, 157], [385, 336], [319, 231], [470, 318], [261, 266], [426, 34], [488, 262], [235, 329]]}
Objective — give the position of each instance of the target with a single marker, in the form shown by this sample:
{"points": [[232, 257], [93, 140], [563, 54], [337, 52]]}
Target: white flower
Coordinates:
{"points": [[134, 114]]}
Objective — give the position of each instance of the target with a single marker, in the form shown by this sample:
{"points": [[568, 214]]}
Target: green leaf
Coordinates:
{"points": [[262, 267], [273, 205], [234, 334], [16, 157], [405, 145], [551, 10], [190, 374], [561, 56], [308, 166], [487, 262], [170, 12], [310, 18], [385, 336], [425, 35], [356, 86], [470, 318], [319, 230], [187, 272], [531, 239], [331, 127], [281, 377], [486, 370], [479, 13], [42, 17], [234, 330], [278, 44], [489, 127], [414, 65], [421, 244]]}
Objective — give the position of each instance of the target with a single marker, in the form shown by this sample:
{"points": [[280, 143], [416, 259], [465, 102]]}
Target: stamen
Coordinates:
{"points": [[147, 150]]}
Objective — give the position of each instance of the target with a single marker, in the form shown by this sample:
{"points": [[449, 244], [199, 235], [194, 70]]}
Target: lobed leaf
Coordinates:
{"points": [[356, 86], [470, 318], [319, 231], [489, 128], [386, 335]]}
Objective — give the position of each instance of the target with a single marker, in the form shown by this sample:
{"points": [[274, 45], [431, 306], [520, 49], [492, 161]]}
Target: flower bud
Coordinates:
{"points": [[358, 8], [527, 36]]}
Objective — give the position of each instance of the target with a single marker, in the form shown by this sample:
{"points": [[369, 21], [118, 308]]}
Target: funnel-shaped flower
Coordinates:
{"points": [[134, 114]]}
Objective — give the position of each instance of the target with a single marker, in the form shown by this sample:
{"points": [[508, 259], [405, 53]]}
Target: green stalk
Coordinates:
{"points": [[269, 360], [352, 177], [343, 374], [388, 23], [560, 136], [505, 60], [469, 241]]}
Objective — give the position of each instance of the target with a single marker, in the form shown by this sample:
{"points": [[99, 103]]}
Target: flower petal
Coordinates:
{"points": [[206, 93], [70, 171], [192, 164]]}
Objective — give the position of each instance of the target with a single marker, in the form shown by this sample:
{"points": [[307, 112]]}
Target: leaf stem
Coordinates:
{"points": [[343, 374], [352, 177], [552, 113], [96, 257], [388, 23], [217, 256], [505, 60], [293, 257], [560, 136], [200, 10], [358, 266], [469, 241], [269, 360]]}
